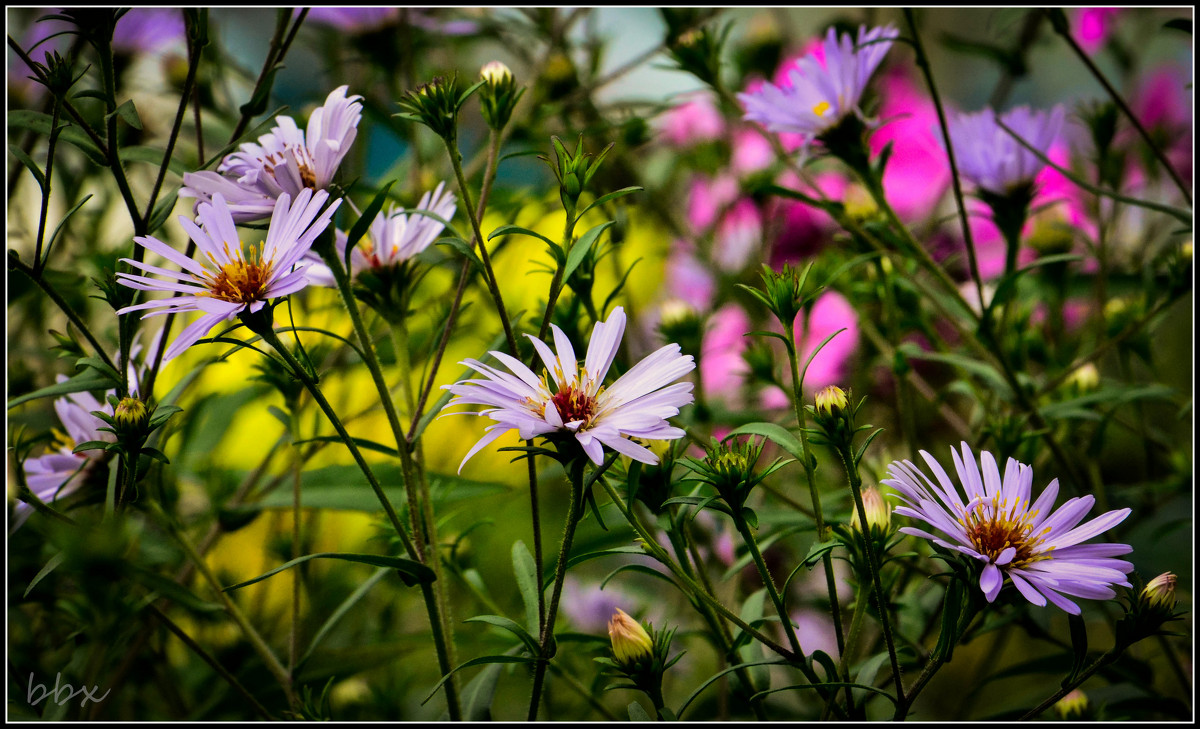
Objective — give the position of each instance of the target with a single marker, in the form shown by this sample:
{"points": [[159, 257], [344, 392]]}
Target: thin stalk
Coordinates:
{"points": [[489, 273], [268, 334], [1105, 659], [188, 84], [583, 691], [256, 641], [574, 512], [208, 658], [873, 567], [294, 632], [14, 262], [923, 64], [802, 423], [38, 264], [1065, 32]]}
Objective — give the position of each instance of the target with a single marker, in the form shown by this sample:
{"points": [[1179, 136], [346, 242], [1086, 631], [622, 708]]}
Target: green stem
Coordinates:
{"points": [[257, 643], [873, 567], [38, 264], [1108, 657], [788, 628], [574, 512]]}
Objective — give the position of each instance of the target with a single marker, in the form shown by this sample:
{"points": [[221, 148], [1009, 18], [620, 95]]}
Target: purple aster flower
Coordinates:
{"points": [[393, 238], [286, 160], [148, 30], [635, 406], [989, 156], [822, 92], [1039, 548], [223, 282], [60, 473]]}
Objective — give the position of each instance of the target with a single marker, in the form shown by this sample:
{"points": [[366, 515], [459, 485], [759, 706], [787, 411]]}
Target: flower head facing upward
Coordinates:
{"points": [[579, 406], [285, 161], [991, 158], [822, 92], [392, 239], [224, 281], [1040, 550]]}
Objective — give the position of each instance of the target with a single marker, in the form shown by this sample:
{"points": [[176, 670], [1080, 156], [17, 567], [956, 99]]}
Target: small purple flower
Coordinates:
{"points": [[1037, 547], [222, 281], [392, 239], [635, 406], [989, 157], [821, 94], [285, 161], [148, 30], [60, 473]]}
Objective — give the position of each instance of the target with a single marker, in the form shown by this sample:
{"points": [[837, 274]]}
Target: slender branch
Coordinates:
{"points": [[189, 83]]}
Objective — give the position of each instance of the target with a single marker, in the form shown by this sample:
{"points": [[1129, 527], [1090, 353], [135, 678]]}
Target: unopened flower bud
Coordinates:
{"points": [[498, 95], [859, 204], [831, 401], [630, 641], [1072, 706], [496, 73], [879, 513], [130, 413], [1159, 593]]}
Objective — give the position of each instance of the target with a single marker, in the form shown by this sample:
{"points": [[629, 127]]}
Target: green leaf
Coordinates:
{"points": [[638, 713], [480, 692], [61, 224], [41, 123], [818, 550], [815, 352], [25, 159], [360, 442], [608, 197], [581, 558], [162, 210], [967, 364], [511, 626], [464, 249], [172, 590], [641, 568], [49, 567], [414, 570], [555, 248], [482, 660], [866, 673], [128, 114], [1007, 285], [1184, 25], [341, 611], [258, 103], [344, 488], [777, 434], [363, 224], [525, 570], [1079, 647], [714, 678], [580, 248], [83, 382]]}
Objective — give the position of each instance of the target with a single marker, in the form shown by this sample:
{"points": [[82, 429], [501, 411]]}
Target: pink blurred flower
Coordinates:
{"points": [[588, 606], [708, 197], [722, 368], [815, 631], [751, 152], [917, 174], [830, 312], [1091, 27], [1163, 103], [801, 229], [738, 236], [695, 120], [687, 278]]}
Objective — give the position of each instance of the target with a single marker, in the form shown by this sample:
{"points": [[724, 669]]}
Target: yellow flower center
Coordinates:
{"points": [[821, 109], [308, 175], [993, 530], [243, 280], [574, 404]]}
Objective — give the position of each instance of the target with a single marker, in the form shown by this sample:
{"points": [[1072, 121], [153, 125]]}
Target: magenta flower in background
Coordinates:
{"points": [[687, 279], [722, 369], [1091, 27], [830, 312], [353, 20], [990, 158], [738, 236], [222, 281], [917, 173], [693, 121], [635, 406], [284, 161], [825, 91], [708, 197], [801, 229], [1040, 549], [1162, 101], [60, 473], [393, 238]]}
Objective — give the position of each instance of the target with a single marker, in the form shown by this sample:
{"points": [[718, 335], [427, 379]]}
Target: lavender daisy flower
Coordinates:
{"points": [[821, 94], [60, 473], [1040, 550], [392, 239], [286, 160], [635, 406], [225, 282], [989, 157]]}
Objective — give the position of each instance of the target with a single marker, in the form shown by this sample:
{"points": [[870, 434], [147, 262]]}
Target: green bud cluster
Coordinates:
{"points": [[729, 468], [436, 105], [573, 170], [499, 94]]}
